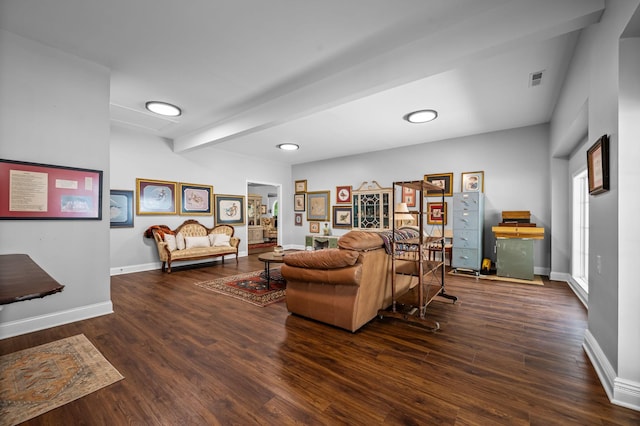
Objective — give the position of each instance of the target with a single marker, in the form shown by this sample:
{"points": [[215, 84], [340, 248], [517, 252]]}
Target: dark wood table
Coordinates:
{"points": [[22, 279], [269, 258]]}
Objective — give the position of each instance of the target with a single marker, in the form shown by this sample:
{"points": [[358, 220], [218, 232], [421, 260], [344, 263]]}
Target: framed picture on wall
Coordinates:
{"points": [[121, 208], [298, 219], [196, 199], [47, 191], [318, 206], [229, 209], [156, 197], [598, 166], [300, 186], [409, 196], [343, 194], [314, 227], [472, 182], [342, 217], [437, 213], [444, 181], [299, 202]]}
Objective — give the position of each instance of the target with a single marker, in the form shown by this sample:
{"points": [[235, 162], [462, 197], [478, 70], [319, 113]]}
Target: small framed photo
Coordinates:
{"points": [[298, 219], [472, 182], [121, 208], [343, 194], [314, 227], [301, 186], [318, 206], [156, 197], [229, 209], [409, 196], [263, 209], [196, 199], [342, 217], [299, 202], [444, 181], [598, 166], [437, 213]]}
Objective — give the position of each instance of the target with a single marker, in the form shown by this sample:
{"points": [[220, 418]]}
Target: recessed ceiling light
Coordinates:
{"points": [[288, 146], [422, 116], [163, 108]]}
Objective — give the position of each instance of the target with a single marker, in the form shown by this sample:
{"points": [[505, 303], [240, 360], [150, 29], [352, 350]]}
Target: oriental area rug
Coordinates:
{"points": [[36, 380], [250, 287]]}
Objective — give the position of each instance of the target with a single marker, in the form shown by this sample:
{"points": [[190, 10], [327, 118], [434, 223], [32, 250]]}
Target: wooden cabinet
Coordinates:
{"points": [[321, 242], [371, 207], [255, 231], [468, 223]]}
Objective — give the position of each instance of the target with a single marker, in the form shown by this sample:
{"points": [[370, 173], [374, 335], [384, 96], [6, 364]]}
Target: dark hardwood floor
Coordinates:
{"points": [[505, 354]]}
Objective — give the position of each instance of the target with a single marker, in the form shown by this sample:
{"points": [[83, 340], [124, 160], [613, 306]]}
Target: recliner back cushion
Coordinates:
{"points": [[360, 240], [322, 259]]}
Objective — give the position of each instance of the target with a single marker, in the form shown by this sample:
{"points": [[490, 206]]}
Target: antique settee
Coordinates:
{"points": [[344, 287], [193, 241]]}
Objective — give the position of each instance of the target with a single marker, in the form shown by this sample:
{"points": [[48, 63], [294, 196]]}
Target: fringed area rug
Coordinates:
{"points": [[250, 287], [36, 380]]}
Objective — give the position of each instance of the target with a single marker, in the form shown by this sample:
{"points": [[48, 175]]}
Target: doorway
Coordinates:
{"points": [[263, 227]]}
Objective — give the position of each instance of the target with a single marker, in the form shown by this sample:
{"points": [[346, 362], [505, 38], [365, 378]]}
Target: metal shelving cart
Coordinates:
{"points": [[413, 257]]}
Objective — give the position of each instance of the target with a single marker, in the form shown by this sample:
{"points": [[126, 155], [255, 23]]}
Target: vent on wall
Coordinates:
{"points": [[535, 78]]}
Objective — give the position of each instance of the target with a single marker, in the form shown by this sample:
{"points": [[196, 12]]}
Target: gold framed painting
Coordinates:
{"points": [[195, 200], [444, 181], [300, 186], [156, 197], [318, 206], [437, 213], [342, 217]]}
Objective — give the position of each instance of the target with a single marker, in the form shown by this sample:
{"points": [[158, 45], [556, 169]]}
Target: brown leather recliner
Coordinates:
{"points": [[344, 287]]}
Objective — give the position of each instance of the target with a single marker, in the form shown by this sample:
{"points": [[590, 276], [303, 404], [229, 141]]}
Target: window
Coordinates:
{"points": [[580, 231]]}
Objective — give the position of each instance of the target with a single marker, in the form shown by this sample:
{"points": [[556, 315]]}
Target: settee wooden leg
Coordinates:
{"points": [[163, 266]]}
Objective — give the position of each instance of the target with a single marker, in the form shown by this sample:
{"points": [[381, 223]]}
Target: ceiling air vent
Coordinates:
{"points": [[535, 78]]}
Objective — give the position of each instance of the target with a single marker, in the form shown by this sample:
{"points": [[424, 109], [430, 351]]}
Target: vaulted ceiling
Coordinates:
{"points": [[334, 76]]}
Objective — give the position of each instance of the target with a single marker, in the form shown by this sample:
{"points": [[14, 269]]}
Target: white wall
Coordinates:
{"points": [[54, 109], [594, 79], [628, 177], [516, 176], [138, 155]]}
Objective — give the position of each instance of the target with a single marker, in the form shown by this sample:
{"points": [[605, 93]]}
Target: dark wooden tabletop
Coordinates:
{"points": [[22, 279]]}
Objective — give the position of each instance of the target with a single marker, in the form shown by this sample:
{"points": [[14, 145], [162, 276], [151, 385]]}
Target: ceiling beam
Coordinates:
{"points": [[351, 77]]}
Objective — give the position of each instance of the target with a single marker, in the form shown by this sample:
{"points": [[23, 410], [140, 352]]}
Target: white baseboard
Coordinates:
{"points": [[129, 269], [28, 325], [559, 276], [539, 270], [619, 391]]}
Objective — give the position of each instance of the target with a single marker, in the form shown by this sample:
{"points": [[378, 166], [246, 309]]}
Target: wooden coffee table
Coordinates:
{"points": [[269, 258]]}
